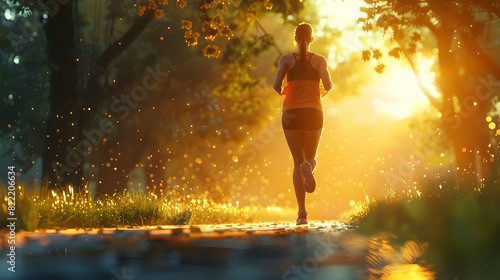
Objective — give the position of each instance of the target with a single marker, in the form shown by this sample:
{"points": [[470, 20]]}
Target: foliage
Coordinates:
{"points": [[189, 127], [404, 23], [210, 17], [107, 68], [24, 86], [462, 232], [456, 36]]}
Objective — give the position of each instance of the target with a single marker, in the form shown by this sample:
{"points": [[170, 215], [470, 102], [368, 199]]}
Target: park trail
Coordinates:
{"points": [[260, 251]]}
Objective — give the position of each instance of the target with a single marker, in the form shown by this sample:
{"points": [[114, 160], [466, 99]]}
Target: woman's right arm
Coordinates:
{"points": [[280, 75], [324, 74]]}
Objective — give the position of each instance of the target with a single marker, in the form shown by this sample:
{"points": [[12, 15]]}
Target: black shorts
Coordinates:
{"points": [[302, 118]]}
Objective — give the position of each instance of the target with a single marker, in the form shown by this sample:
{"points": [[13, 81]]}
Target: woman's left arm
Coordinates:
{"points": [[280, 75]]}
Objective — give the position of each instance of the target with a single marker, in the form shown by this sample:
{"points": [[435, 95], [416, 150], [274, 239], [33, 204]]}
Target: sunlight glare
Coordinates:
{"points": [[397, 93], [338, 13]]}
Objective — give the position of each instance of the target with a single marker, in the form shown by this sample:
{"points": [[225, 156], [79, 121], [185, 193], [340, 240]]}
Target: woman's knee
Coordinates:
{"points": [[297, 161], [313, 162]]}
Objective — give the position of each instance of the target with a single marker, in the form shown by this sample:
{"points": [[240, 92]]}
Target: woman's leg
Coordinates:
{"points": [[311, 142], [295, 140]]}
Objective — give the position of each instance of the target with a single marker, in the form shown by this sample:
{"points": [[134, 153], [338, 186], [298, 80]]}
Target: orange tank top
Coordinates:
{"points": [[303, 87]]}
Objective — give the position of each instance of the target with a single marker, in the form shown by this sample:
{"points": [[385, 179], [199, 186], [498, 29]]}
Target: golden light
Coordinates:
{"points": [[396, 92], [338, 13]]}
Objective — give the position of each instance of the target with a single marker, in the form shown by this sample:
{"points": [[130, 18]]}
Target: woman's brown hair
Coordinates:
{"points": [[303, 32]]}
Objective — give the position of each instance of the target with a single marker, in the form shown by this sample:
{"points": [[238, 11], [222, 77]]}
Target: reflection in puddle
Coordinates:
{"points": [[407, 272], [388, 261]]}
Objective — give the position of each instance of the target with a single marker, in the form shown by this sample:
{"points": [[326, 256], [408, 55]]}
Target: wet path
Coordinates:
{"points": [[323, 250]]}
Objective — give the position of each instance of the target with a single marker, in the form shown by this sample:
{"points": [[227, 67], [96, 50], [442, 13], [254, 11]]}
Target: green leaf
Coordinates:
{"points": [[366, 54], [395, 53], [415, 37], [367, 27], [412, 48], [380, 68], [398, 34]]}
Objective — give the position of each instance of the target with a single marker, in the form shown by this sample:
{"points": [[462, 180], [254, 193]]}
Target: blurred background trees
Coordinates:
{"points": [[97, 53], [460, 37]]}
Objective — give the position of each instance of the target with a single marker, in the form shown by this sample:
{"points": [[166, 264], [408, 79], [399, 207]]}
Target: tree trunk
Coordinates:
{"points": [[465, 124], [61, 159], [471, 143]]}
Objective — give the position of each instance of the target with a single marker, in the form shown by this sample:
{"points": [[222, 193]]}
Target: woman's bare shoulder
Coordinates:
{"points": [[318, 60], [287, 57], [318, 57], [287, 61]]}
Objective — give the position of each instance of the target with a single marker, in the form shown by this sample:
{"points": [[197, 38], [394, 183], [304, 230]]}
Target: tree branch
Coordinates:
{"points": [[431, 27], [424, 90], [264, 31], [113, 51], [125, 40]]}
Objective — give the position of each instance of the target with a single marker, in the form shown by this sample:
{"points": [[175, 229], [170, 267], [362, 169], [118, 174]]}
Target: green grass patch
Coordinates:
{"points": [[37, 208], [463, 232]]}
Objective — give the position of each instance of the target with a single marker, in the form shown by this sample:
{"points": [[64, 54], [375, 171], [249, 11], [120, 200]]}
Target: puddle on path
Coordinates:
{"points": [[320, 251]]}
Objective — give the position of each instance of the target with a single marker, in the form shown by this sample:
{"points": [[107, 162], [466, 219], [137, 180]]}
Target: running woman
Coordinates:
{"points": [[302, 116]]}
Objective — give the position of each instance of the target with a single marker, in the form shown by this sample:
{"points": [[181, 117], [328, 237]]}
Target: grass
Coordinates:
{"points": [[38, 208], [463, 232]]}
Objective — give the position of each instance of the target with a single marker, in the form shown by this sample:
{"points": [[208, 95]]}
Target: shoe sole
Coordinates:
{"points": [[301, 222], [309, 181]]}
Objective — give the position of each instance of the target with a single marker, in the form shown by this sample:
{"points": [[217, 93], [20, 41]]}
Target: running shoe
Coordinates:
{"points": [[307, 173], [302, 219]]}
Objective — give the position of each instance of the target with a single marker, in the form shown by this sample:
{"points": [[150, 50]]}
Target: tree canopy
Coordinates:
{"points": [[457, 35]]}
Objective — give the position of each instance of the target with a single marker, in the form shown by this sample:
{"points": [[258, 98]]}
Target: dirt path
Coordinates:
{"points": [[323, 250]]}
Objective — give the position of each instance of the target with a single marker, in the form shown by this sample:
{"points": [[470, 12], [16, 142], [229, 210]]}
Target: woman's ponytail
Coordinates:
{"points": [[302, 47]]}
